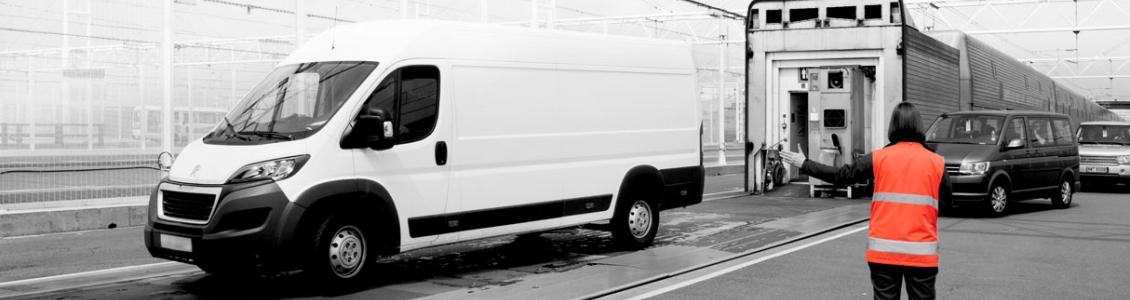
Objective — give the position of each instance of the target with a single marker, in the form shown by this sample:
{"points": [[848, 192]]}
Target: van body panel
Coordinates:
{"points": [[539, 129]]}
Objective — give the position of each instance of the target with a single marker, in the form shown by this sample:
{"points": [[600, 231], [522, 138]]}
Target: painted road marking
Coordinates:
{"points": [[84, 274], [743, 265]]}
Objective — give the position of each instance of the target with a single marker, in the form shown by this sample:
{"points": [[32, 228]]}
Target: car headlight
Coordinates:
{"points": [[1124, 160], [974, 168], [277, 169]]}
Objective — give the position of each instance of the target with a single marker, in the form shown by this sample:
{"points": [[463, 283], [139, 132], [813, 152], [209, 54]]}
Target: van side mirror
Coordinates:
{"points": [[372, 130], [1014, 144]]}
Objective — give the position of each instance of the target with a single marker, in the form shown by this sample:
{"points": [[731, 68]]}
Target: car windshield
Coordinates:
{"points": [[1104, 134], [291, 103], [966, 129]]}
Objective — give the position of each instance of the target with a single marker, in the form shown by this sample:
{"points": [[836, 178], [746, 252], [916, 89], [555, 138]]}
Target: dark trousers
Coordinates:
{"points": [[887, 281]]}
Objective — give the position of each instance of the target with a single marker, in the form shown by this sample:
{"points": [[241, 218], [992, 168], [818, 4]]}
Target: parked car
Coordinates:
{"points": [[382, 137], [995, 158], [1104, 152]]}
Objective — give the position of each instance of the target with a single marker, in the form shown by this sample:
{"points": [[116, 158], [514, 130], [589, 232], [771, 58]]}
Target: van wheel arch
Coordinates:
{"points": [[351, 196], [1002, 178], [644, 178]]}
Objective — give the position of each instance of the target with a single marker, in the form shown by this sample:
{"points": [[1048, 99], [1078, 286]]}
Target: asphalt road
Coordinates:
{"points": [[721, 227], [1035, 252]]}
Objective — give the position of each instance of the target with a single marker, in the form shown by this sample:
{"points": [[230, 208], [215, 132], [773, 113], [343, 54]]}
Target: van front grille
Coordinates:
{"points": [[1098, 160], [187, 206], [952, 169]]}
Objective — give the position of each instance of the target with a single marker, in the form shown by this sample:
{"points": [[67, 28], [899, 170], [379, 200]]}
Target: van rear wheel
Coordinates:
{"points": [[1064, 195], [635, 223]]}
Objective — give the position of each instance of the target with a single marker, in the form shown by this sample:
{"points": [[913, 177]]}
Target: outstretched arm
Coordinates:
{"points": [[858, 171]]}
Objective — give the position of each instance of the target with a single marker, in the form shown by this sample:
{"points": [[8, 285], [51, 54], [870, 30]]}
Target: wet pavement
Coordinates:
{"points": [[1035, 252], [532, 264]]}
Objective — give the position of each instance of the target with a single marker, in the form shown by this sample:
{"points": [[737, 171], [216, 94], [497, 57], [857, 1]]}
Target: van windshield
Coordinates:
{"points": [[1104, 134], [966, 129], [291, 103]]}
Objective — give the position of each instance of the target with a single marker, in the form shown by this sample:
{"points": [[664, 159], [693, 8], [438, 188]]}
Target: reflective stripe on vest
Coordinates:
{"points": [[905, 199], [912, 248]]}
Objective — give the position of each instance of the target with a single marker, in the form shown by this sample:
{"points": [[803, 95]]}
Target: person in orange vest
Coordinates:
{"points": [[910, 180]]}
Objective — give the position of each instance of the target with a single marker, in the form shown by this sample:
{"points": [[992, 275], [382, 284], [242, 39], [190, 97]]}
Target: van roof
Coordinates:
{"points": [[1108, 123], [1008, 113], [390, 41]]}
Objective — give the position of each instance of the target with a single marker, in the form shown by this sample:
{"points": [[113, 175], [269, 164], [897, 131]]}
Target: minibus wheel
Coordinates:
{"points": [[998, 200], [635, 223], [340, 250], [1064, 194]]}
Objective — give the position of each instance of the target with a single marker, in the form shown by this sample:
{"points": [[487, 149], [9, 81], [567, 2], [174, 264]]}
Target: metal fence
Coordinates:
{"points": [[92, 90]]}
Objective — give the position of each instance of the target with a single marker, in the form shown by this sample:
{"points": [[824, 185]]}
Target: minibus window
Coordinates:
{"points": [[965, 129], [1063, 132], [1040, 131]]}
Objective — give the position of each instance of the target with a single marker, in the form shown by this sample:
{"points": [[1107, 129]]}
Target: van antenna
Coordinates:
{"points": [[333, 37]]}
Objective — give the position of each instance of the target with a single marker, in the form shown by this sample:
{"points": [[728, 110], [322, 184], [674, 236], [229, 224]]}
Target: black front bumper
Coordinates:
{"points": [[969, 188], [252, 225]]}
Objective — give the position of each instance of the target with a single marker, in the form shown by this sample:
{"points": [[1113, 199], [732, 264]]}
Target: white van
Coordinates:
{"points": [[382, 137]]}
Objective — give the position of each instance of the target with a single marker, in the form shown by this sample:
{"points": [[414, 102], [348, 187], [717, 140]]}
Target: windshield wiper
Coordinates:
{"points": [[268, 134], [235, 134]]}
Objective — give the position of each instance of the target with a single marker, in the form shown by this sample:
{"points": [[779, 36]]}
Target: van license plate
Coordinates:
{"points": [[177, 243], [1096, 170]]}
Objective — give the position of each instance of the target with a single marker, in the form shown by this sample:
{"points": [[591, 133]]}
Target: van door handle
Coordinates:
{"points": [[441, 153]]}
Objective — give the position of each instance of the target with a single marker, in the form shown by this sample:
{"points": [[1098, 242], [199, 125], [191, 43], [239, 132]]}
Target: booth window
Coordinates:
{"points": [[773, 16], [873, 12], [754, 19], [842, 12], [834, 118], [803, 14]]}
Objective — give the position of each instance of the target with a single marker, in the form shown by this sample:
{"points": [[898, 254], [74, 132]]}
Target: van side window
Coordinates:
{"points": [[1015, 130], [410, 96], [1040, 132], [419, 102], [1063, 132], [383, 97]]}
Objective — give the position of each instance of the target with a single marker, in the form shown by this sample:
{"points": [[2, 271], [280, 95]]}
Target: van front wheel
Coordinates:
{"points": [[340, 250], [635, 224]]}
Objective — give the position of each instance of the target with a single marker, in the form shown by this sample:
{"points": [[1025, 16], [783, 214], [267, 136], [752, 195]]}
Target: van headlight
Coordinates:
{"points": [[974, 168], [1124, 160], [277, 169]]}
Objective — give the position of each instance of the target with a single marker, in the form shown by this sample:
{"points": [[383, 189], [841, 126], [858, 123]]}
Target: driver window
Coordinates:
{"points": [[410, 97]]}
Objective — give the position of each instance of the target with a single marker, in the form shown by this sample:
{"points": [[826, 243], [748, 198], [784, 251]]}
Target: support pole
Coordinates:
{"points": [[484, 11], [144, 117], [89, 96], [533, 13], [299, 22], [722, 101], [31, 115], [403, 9], [167, 77]]}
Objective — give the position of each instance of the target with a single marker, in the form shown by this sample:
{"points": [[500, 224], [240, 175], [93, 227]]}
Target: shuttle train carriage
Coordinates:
{"points": [[824, 76]]}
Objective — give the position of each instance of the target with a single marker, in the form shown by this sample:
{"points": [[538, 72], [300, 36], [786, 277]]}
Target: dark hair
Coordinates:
{"points": [[906, 125]]}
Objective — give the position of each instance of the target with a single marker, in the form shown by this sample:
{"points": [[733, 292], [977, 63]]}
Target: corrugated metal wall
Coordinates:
{"points": [[931, 74], [1001, 82]]}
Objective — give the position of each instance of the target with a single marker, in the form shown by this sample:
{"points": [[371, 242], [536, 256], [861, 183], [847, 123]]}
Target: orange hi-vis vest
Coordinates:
{"points": [[904, 207]]}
